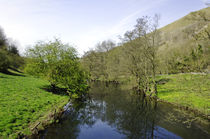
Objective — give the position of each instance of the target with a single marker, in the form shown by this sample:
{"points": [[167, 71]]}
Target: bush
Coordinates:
{"points": [[59, 64]]}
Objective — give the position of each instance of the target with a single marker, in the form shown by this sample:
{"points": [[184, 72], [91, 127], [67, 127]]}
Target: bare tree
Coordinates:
{"points": [[151, 42], [140, 53], [105, 46]]}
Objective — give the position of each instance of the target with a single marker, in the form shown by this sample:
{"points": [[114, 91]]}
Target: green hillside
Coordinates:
{"points": [[185, 22], [181, 39], [183, 47], [179, 33]]}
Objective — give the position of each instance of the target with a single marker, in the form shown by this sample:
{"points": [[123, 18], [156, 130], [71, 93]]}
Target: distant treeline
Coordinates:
{"points": [[9, 54]]}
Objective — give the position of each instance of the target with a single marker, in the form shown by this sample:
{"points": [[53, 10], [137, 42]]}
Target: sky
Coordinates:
{"points": [[83, 23]]}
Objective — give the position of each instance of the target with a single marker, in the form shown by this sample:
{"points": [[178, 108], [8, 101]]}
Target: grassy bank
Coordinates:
{"points": [[190, 90], [24, 101]]}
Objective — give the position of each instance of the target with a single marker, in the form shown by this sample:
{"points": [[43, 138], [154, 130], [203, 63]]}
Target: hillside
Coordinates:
{"points": [[185, 22], [183, 46], [179, 32], [181, 39]]}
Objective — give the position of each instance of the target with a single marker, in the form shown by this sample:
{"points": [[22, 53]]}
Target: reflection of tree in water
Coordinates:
{"points": [[133, 116], [130, 115], [139, 117], [69, 128]]}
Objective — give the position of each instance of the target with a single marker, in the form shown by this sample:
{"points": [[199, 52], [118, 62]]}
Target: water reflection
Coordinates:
{"points": [[115, 113]]}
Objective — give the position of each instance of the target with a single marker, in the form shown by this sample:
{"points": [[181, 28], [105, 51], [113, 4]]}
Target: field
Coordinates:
{"points": [[24, 101], [191, 90]]}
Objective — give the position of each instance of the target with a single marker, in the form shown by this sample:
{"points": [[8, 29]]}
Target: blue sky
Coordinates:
{"points": [[83, 23]]}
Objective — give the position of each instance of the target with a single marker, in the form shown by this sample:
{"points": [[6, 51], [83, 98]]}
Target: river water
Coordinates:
{"points": [[112, 113]]}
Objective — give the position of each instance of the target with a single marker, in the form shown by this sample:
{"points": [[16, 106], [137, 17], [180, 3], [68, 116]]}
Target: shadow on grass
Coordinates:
{"points": [[13, 74], [162, 81], [55, 90], [3, 77], [16, 70]]}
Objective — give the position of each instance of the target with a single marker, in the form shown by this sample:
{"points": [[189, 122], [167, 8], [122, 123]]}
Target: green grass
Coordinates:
{"points": [[191, 90], [23, 102]]}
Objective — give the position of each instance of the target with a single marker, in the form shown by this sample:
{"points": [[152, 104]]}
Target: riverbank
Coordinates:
{"points": [[191, 91], [26, 104], [112, 112]]}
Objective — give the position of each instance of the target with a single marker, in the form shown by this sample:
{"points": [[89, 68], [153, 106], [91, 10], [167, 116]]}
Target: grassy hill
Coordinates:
{"points": [[175, 30], [183, 36], [24, 101]]}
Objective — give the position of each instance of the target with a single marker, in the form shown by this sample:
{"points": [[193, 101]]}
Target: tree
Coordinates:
{"points": [[4, 61], [152, 42], [103, 49], [105, 46], [59, 64], [9, 54], [96, 61], [115, 66], [3, 39], [140, 49]]}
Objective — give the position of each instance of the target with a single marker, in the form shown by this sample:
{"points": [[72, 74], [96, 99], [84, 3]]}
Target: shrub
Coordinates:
{"points": [[59, 64]]}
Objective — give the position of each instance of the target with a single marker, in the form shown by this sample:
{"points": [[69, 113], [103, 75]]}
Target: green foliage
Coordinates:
{"points": [[182, 46], [96, 61], [24, 100], [136, 57], [179, 60], [3, 39], [9, 54], [59, 64], [4, 60], [72, 76]]}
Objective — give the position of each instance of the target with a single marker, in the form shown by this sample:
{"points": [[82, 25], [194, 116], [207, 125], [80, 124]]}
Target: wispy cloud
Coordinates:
{"points": [[100, 33], [206, 2], [128, 21], [80, 22]]}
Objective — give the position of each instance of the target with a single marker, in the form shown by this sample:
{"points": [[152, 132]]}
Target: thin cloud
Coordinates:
{"points": [[126, 22], [83, 23]]}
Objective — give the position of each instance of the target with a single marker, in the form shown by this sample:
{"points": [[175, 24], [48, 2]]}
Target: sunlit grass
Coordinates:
{"points": [[23, 101], [191, 90]]}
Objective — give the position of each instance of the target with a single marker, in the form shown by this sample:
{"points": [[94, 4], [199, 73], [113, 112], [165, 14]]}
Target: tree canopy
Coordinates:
{"points": [[9, 54]]}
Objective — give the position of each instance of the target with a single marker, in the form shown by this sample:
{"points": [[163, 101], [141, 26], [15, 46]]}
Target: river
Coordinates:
{"points": [[113, 112]]}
